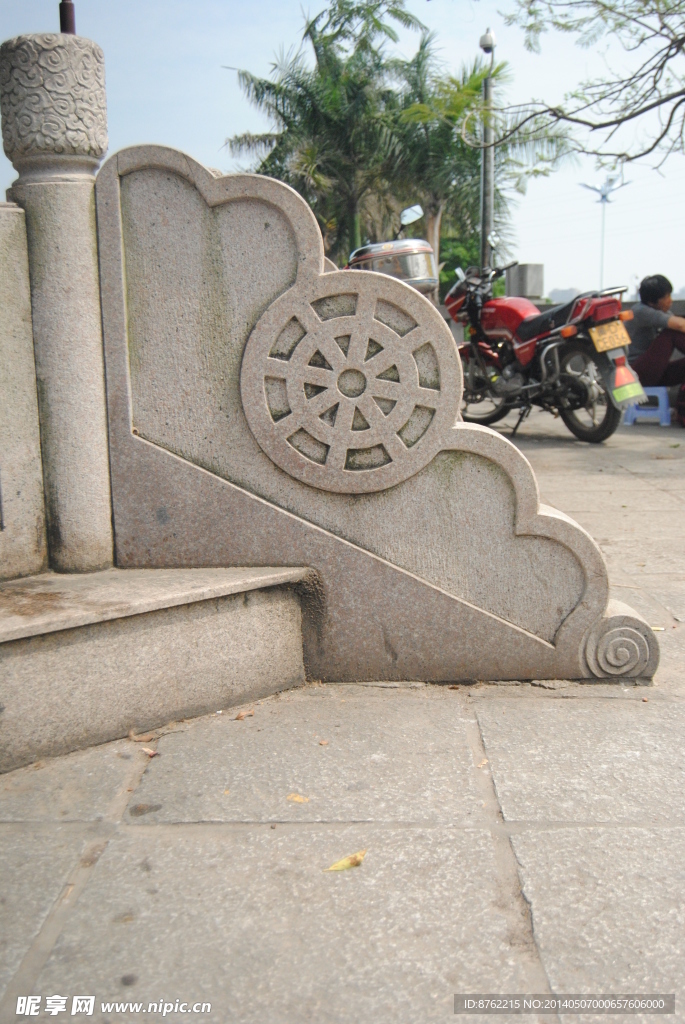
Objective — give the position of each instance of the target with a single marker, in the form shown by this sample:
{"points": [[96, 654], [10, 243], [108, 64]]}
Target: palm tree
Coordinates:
{"points": [[358, 133], [441, 159], [333, 137], [437, 167]]}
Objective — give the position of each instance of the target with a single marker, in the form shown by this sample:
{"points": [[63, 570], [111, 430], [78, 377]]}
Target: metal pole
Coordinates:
{"points": [[67, 18], [487, 195], [601, 260], [604, 192]]}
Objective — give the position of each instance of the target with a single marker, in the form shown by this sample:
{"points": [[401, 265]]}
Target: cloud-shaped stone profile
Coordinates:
{"points": [[257, 388]]}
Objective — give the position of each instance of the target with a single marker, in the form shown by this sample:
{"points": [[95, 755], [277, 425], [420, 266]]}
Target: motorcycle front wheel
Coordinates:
{"points": [[593, 417], [478, 403]]}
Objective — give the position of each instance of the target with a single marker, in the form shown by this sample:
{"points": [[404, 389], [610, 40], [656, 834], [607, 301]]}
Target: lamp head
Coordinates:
{"points": [[488, 41]]}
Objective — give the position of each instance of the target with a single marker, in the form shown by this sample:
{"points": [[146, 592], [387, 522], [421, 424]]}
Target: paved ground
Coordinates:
{"points": [[520, 838]]}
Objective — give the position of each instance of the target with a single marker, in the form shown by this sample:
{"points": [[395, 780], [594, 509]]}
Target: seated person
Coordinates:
{"points": [[654, 333]]}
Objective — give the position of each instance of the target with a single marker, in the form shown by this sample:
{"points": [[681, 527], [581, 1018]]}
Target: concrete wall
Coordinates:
{"points": [[22, 516]]}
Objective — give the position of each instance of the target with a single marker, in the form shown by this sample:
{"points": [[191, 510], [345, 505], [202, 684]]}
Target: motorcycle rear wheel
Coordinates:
{"points": [[598, 417], [478, 403]]}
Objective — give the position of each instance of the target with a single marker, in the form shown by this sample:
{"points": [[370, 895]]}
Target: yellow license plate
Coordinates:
{"points": [[608, 336]]}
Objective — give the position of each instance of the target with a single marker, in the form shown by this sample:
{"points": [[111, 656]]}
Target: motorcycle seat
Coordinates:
{"points": [[545, 322]]}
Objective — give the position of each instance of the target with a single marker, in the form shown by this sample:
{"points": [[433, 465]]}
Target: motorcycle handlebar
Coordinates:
{"points": [[501, 270]]}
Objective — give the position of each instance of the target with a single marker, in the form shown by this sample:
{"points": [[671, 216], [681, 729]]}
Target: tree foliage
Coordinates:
{"points": [[333, 137], [636, 110], [443, 165], [360, 133]]}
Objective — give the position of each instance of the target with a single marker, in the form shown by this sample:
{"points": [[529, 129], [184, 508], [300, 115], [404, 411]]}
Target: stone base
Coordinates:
{"points": [[85, 659]]}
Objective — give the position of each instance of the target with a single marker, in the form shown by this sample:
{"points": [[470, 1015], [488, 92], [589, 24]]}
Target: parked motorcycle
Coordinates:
{"points": [[570, 360]]}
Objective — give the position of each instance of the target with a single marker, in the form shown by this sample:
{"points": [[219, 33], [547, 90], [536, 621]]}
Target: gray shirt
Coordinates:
{"points": [[646, 324]]}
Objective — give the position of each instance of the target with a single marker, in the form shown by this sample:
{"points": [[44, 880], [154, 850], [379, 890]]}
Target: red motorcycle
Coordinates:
{"points": [[570, 360]]}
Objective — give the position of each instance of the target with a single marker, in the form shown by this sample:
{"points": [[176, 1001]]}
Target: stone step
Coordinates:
{"points": [[86, 658]]}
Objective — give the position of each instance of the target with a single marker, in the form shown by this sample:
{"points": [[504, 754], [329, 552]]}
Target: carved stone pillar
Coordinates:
{"points": [[54, 127]]}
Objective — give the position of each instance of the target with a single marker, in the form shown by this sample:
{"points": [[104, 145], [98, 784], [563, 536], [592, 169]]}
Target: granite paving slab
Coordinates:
{"points": [[608, 912], [76, 787], [587, 759], [673, 485], [669, 589], [625, 495], [35, 867], [672, 644], [316, 755], [248, 919], [645, 603]]}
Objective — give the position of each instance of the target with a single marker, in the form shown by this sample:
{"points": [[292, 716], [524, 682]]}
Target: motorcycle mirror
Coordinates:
{"points": [[410, 215], [493, 240], [460, 275]]}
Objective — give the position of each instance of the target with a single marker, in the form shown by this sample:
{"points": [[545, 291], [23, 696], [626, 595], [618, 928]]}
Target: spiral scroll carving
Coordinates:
{"points": [[52, 95], [619, 646], [622, 652]]}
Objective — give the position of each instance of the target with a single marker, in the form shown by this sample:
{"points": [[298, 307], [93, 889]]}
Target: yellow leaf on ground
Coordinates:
{"points": [[244, 714], [323, 743], [297, 799], [483, 762], [353, 861]]}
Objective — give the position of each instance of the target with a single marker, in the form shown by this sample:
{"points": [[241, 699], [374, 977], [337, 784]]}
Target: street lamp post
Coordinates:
{"points": [[487, 185], [604, 192], [67, 18]]}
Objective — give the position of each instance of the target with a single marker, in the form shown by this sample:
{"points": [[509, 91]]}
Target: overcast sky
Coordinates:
{"points": [[166, 84]]}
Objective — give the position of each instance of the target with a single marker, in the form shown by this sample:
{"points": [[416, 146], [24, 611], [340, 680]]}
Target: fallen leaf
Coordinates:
{"points": [[150, 752], [92, 855], [139, 809], [295, 798], [244, 714], [125, 918], [226, 792], [323, 743], [141, 739], [353, 861], [452, 687], [483, 762]]}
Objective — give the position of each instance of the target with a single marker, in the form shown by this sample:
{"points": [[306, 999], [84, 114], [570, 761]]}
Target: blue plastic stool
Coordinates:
{"points": [[647, 412]]}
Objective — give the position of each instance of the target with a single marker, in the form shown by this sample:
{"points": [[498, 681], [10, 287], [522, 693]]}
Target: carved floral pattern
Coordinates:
{"points": [[52, 94]]}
